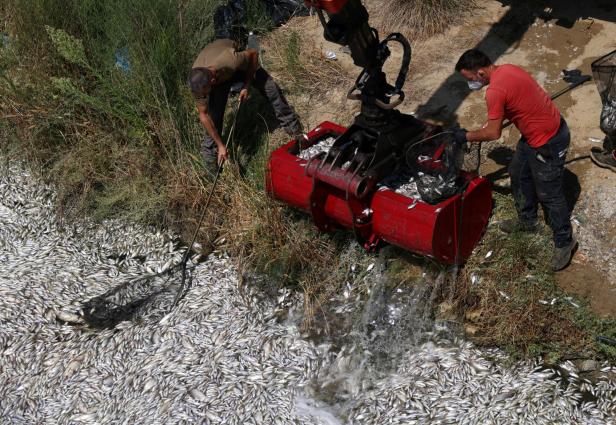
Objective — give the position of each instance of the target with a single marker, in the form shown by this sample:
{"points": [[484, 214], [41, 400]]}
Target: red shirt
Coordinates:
{"points": [[515, 95]]}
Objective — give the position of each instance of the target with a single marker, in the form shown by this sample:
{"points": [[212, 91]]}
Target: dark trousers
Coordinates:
{"points": [[268, 88], [537, 176]]}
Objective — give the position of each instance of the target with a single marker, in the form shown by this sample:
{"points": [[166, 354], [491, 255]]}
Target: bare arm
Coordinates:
{"points": [[253, 65], [208, 124], [491, 131], [252, 68]]}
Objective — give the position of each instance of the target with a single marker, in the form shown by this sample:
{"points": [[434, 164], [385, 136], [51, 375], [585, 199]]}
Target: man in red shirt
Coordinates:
{"points": [[537, 167]]}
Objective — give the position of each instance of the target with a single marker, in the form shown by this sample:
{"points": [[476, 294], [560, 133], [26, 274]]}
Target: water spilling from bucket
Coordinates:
{"points": [[381, 329]]}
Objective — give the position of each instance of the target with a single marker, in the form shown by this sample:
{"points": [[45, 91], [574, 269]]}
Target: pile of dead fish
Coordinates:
{"points": [[404, 370], [222, 355], [321, 146], [402, 182], [457, 384], [219, 357]]}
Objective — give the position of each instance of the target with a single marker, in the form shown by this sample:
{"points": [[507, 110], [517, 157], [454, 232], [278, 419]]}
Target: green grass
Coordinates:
{"points": [[522, 307], [103, 133]]}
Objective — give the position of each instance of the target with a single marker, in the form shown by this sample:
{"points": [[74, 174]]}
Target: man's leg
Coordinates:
{"points": [[548, 166], [217, 103], [284, 112], [606, 157], [523, 186]]}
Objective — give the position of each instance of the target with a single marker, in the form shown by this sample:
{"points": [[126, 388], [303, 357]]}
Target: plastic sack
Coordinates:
{"points": [[122, 61], [434, 189], [608, 118], [229, 22], [436, 179], [604, 74], [282, 10], [442, 182]]}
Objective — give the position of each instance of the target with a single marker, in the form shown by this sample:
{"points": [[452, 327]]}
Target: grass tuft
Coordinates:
{"points": [[418, 19]]}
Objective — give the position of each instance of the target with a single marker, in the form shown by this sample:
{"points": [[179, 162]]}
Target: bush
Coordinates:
{"points": [[100, 88]]}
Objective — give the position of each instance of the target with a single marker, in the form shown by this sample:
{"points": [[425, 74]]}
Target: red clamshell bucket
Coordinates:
{"points": [[447, 231]]}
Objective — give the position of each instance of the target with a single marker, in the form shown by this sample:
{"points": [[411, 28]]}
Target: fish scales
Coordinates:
{"points": [[220, 357]]}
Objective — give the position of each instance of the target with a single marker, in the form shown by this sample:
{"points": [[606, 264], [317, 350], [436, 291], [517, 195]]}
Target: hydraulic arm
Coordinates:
{"points": [[380, 136], [338, 187]]}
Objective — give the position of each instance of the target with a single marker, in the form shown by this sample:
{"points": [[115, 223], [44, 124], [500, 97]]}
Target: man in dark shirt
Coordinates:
{"points": [[216, 69], [537, 167]]}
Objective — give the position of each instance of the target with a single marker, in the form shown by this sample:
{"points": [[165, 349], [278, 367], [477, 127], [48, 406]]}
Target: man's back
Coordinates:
{"points": [[515, 95], [222, 55]]}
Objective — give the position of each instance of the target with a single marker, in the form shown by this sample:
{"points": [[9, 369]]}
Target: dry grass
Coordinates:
{"points": [[298, 64], [417, 19], [509, 299], [505, 297]]}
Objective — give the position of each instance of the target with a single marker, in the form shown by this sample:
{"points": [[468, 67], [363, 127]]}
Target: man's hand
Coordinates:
{"points": [[492, 130], [243, 94], [459, 136], [223, 155]]}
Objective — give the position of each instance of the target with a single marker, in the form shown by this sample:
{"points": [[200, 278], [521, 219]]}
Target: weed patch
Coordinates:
{"points": [[513, 300]]}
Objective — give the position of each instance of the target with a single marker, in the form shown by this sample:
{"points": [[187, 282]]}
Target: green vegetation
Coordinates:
{"points": [[123, 141], [514, 301]]}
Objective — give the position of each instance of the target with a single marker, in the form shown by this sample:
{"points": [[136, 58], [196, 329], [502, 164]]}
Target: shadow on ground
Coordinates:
{"points": [[507, 33]]}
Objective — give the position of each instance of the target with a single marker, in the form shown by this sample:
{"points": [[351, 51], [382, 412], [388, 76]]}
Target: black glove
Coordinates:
{"points": [[459, 136]]}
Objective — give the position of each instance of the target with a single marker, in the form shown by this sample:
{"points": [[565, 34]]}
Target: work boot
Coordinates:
{"points": [[562, 256], [604, 159], [517, 225]]}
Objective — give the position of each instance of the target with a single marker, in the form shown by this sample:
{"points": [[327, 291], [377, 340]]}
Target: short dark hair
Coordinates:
{"points": [[198, 79], [472, 60]]}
